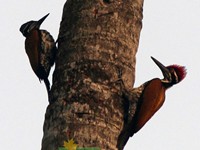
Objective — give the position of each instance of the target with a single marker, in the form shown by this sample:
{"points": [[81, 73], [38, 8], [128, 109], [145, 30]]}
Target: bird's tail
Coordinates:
{"points": [[47, 84]]}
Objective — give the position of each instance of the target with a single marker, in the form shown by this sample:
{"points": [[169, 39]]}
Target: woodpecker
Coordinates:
{"points": [[153, 93], [147, 99], [40, 48]]}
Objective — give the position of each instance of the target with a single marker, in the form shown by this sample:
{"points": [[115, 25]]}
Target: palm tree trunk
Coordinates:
{"points": [[97, 44]]}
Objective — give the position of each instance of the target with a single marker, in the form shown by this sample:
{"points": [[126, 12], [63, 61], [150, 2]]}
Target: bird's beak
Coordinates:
{"points": [[39, 22], [166, 73]]}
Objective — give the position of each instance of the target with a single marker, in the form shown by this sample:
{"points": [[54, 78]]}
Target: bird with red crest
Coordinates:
{"points": [[148, 99], [153, 94]]}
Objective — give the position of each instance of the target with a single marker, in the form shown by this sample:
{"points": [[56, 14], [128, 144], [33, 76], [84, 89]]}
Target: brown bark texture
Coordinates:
{"points": [[97, 44]]}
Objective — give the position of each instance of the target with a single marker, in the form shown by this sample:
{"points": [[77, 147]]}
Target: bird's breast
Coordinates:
{"points": [[32, 44]]}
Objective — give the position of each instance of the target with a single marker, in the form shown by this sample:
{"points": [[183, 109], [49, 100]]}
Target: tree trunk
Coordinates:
{"points": [[97, 44]]}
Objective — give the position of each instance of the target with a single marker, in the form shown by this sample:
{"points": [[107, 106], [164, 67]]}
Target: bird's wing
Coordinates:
{"points": [[151, 100]]}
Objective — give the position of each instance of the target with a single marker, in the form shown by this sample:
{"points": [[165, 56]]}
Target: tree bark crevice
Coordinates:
{"points": [[96, 40]]}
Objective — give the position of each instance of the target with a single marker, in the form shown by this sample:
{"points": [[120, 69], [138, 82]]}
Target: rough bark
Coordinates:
{"points": [[97, 44]]}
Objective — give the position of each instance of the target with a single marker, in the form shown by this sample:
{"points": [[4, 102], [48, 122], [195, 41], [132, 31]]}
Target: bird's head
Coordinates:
{"points": [[173, 74], [31, 25]]}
